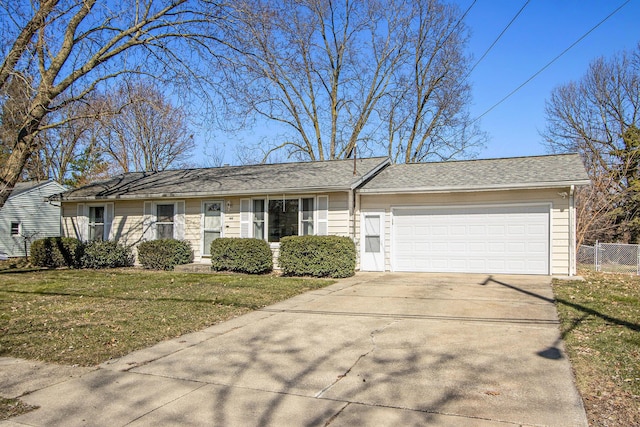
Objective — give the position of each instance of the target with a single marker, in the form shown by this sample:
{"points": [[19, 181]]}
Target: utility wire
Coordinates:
{"points": [[459, 22], [551, 62], [496, 40]]}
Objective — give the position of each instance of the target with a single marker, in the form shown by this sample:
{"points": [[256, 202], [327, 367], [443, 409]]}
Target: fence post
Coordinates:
{"points": [[595, 255]]}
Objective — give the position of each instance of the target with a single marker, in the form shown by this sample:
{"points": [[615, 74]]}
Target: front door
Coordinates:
{"points": [[211, 224], [372, 241]]}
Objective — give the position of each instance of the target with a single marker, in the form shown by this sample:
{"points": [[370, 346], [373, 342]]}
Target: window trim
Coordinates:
{"points": [[150, 218]]}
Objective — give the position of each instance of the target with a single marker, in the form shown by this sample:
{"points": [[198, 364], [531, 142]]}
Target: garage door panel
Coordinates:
{"points": [[477, 230], [457, 247], [496, 247], [477, 264], [496, 230], [494, 239], [477, 246], [517, 247]]}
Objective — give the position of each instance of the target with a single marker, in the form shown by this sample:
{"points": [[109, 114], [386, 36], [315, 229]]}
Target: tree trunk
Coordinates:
{"points": [[10, 172]]}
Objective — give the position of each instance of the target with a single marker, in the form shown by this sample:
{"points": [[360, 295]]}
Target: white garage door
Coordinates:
{"points": [[494, 239]]}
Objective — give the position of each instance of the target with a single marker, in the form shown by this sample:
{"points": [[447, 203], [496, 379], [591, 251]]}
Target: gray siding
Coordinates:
{"points": [[37, 217]]}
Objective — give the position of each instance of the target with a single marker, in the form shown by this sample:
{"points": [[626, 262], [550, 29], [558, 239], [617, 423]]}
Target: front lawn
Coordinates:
{"points": [[601, 329], [85, 317]]}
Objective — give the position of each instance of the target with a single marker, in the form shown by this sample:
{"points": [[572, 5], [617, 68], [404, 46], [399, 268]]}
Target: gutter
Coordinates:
{"points": [[529, 186], [197, 195], [572, 233]]}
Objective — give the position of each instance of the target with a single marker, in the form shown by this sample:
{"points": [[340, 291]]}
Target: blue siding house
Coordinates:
{"points": [[28, 216]]}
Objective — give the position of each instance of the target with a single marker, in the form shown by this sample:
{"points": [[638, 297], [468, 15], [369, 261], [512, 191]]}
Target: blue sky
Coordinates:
{"points": [[542, 31]]}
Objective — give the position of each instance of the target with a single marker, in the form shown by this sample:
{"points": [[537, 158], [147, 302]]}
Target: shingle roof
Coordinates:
{"points": [[23, 187], [516, 172], [334, 175]]}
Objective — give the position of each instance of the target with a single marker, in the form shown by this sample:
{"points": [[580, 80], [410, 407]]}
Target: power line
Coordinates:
{"points": [[459, 22], [551, 62], [496, 40]]}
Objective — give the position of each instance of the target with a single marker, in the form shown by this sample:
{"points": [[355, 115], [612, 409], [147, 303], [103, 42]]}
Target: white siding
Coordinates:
{"points": [[559, 213], [128, 219], [37, 217], [339, 223]]}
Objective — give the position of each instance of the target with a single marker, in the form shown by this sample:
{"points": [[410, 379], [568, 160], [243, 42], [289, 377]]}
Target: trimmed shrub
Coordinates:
{"points": [[317, 256], [106, 254], [251, 256], [164, 254], [54, 252]]}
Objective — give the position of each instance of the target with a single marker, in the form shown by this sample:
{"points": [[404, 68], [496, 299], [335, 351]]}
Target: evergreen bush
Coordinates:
{"points": [[317, 256], [164, 254], [251, 256], [106, 254], [54, 252]]}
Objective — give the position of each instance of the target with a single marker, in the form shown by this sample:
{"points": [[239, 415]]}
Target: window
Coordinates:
{"points": [[212, 224], [307, 217], [15, 228], [283, 218], [96, 223], [372, 234], [165, 221], [258, 219], [275, 219]]}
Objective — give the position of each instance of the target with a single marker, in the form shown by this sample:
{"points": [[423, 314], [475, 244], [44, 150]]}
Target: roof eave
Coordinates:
{"points": [[523, 186], [364, 178], [200, 195]]}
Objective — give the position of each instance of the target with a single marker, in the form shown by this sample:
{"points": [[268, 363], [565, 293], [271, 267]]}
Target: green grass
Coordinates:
{"points": [[85, 317], [601, 328]]}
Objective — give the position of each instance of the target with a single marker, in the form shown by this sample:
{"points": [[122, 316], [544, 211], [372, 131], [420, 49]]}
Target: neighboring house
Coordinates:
{"points": [[513, 215], [27, 215]]}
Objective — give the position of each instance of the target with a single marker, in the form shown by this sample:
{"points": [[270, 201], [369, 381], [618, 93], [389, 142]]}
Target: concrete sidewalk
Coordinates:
{"points": [[375, 349]]}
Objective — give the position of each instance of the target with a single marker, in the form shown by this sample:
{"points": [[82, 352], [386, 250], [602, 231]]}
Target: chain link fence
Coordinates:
{"points": [[610, 257]]}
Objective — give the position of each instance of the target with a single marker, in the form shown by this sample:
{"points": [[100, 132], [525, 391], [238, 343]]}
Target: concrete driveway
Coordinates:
{"points": [[375, 349]]}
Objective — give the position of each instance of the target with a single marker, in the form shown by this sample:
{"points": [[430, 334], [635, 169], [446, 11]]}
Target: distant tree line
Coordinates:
{"points": [[85, 85], [597, 116]]}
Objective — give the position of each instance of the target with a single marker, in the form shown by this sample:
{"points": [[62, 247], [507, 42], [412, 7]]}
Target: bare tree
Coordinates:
{"points": [[69, 153], [337, 74], [426, 114], [66, 49], [598, 117], [145, 132]]}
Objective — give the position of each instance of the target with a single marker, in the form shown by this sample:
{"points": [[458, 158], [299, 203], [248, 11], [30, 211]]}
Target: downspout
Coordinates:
{"points": [[572, 233], [355, 204], [352, 217]]}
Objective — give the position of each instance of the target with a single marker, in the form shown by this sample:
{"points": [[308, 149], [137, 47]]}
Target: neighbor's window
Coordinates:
{"points": [[96, 223], [165, 221], [258, 219], [15, 228]]}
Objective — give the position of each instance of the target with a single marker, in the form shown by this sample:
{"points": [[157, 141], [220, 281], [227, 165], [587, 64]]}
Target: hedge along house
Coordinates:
{"points": [[199, 205], [486, 216], [27, 215]]}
